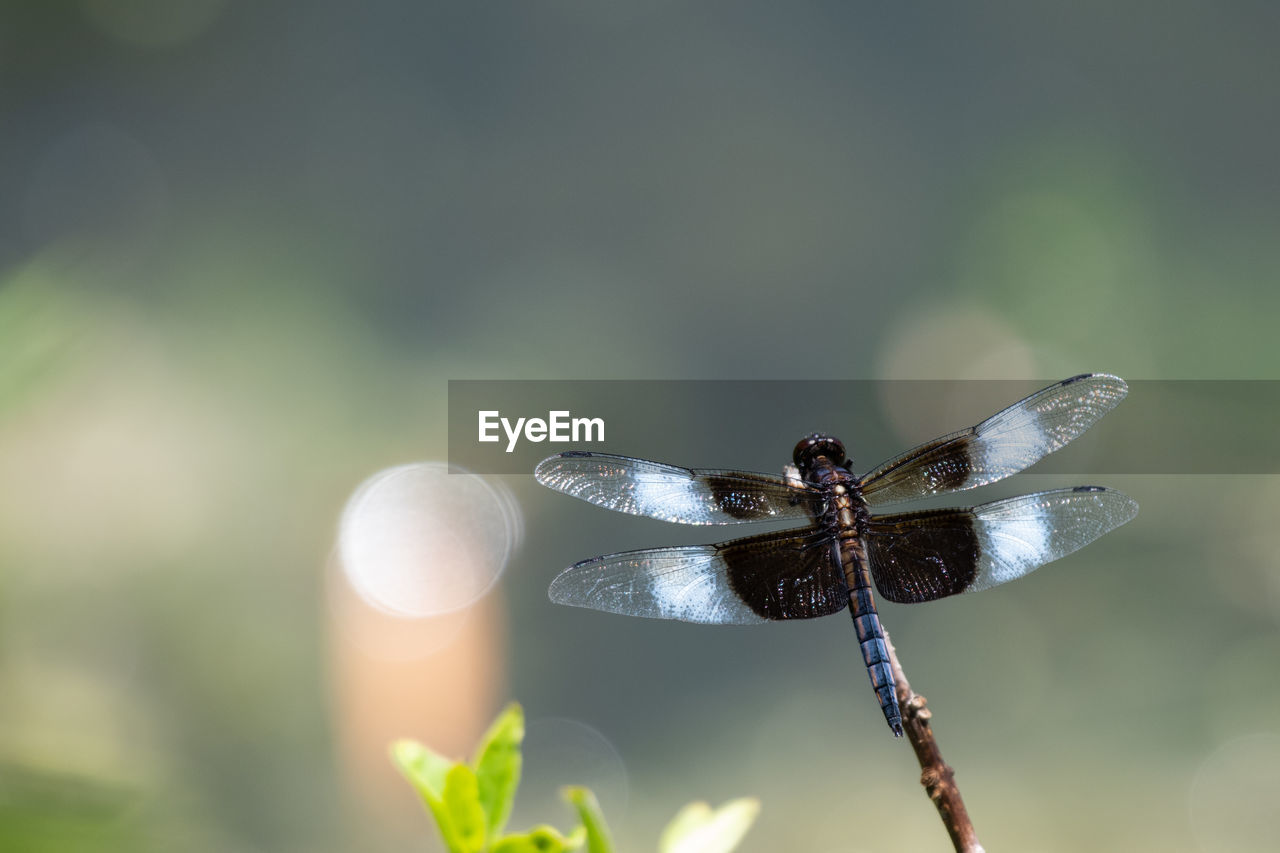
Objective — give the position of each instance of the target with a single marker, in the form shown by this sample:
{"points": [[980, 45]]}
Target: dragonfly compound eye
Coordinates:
{"points": [[813, 446]]}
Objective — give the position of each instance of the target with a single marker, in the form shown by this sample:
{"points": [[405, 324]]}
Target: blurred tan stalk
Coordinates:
{"points": [[435, 679]]}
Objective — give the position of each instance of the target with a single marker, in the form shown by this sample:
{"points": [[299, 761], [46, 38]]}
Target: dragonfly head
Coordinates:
{"points": [[813, 446]]}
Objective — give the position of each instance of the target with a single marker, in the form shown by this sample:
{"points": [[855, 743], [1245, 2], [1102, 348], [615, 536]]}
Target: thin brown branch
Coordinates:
{"points": [[936, 776]]}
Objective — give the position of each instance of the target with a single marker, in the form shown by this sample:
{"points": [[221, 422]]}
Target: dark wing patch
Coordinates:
{"points": [[785, 575], [1002, 445], [922, 556], [670, 493], [781, 575]]}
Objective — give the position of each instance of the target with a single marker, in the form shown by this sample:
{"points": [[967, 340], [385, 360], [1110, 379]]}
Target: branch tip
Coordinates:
{"points": [[936, 776]]}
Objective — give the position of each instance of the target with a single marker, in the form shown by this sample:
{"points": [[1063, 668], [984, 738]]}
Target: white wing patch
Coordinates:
{"points": [[688, 584], [1020, 534]]}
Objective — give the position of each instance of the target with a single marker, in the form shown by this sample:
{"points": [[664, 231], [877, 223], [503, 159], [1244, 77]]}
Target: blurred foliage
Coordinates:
{"points": [[471, 803], [39, 328], [698, 828], [42, 811]]}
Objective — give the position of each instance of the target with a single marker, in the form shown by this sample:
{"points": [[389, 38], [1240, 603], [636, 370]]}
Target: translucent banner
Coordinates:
{"points": [[1162, 427]]}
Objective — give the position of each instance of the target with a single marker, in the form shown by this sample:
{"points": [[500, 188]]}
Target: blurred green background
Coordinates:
{"points": [[243, 247]]}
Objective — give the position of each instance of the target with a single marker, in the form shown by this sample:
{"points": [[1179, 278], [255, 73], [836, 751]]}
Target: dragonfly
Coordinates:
{"points": [[831, 562]]}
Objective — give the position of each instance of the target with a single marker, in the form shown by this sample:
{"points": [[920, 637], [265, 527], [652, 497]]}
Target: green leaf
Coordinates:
{"points": [[422, 766], [428, 771], [698, 829], [541, 839], [462, 802], [497, 765], [598, 839]]}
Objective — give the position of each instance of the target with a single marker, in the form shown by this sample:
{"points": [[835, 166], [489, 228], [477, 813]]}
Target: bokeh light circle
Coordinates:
{"points": [[964, 342], [559, 751], [423, 540]]}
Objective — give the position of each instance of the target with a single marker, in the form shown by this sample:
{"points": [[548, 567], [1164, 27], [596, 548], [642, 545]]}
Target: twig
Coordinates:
{"points": [[938, 779]]}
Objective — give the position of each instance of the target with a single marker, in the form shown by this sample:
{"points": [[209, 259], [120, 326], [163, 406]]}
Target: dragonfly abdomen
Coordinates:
{"points": [[866, 622]]}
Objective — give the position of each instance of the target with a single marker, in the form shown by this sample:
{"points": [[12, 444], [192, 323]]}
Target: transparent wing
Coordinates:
{"points": [[669, 493], [782, 575], [1002, 445], [922, 556]]}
